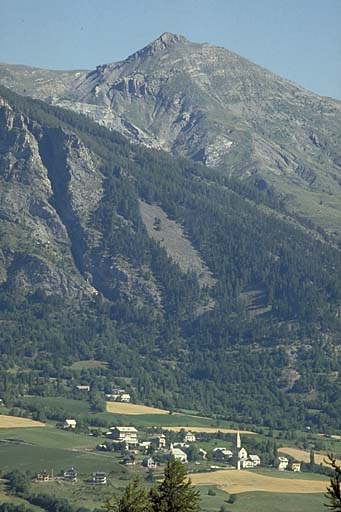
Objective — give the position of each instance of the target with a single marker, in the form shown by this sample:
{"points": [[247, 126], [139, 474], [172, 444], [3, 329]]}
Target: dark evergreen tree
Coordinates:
{"points": [[134, 499], [175, 493], [334, 488]]}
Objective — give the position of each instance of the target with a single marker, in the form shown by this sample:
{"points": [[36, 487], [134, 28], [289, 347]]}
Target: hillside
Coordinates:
{"points": [[83, 277], [210, 104]]}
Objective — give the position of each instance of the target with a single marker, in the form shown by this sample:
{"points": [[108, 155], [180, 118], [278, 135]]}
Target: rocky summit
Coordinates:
{"points": [[210, 104]]}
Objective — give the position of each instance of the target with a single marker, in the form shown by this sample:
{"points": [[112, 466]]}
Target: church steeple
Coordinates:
{"points": [[238, 441]]}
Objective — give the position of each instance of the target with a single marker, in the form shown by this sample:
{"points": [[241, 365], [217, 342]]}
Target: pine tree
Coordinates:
{"points": [[134, 499], [334, 489], [175, 493]]}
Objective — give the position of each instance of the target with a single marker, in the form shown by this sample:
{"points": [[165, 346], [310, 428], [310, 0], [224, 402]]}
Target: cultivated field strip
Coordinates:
{"points": [[14, 422], [234, 481]]}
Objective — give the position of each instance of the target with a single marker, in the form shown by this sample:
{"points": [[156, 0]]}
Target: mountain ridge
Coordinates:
{"points": [[209, 104]]}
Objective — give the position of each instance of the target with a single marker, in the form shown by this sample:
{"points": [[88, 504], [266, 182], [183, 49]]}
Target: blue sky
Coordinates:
{"points": [[298, 39]]}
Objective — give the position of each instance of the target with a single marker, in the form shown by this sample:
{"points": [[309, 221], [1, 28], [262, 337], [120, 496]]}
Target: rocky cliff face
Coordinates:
{"points": [[215, 107], [37, 246], [50, 189]]}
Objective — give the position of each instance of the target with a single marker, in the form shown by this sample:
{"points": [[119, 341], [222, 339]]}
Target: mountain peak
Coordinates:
{"points": [[163, 42], [167, 38]]}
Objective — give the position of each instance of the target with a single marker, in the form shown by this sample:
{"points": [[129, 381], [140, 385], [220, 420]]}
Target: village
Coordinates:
{"points": [[89, 456], [137, 449]]}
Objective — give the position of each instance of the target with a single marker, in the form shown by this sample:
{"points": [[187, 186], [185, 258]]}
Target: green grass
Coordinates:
{"points": [[90, 363], [79, 494], [71, 408], [212, 503], [261, 501], [36, 449], [302, 475], [37, 458], [49, 437], [275, 502], [84, 494]]}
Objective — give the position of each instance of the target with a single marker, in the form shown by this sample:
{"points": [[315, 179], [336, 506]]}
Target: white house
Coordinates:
{"points": [[70, 423], [124, 397], [127, 435], [177, 454], [281, 463], [244, 464], [255, 460], [189, 437]]}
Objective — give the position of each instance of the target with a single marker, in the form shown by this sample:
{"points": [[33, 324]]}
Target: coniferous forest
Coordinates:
{"points": [[198, 347]]}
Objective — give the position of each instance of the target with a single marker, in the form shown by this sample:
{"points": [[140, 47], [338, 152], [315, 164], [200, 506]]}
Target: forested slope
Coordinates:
{"points": [[82, 279]]}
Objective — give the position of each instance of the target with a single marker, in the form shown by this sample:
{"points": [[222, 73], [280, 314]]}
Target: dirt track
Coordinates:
{"points": [[234, 481]]}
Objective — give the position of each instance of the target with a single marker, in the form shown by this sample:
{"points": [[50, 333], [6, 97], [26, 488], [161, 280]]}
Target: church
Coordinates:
{"points": [[241, 458]]}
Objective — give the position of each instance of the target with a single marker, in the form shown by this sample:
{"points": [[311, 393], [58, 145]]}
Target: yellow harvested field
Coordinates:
{"points": [[133, 409], [233, 481], [209, 430], [304, 456], [14, 422]]}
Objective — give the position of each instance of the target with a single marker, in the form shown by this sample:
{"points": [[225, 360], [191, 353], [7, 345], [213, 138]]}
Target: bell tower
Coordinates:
{"points": [[238, 441]]}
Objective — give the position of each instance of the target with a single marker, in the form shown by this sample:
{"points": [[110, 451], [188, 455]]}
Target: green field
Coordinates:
{"points": [[70, 407], [290, 475], [37, 458], [49, 437], [83, 494], [36, 449], [275, 502], [89, 363]]}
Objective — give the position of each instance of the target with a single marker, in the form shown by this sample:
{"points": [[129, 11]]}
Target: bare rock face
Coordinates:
{"points": [[209, 104], [51, 186]]}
